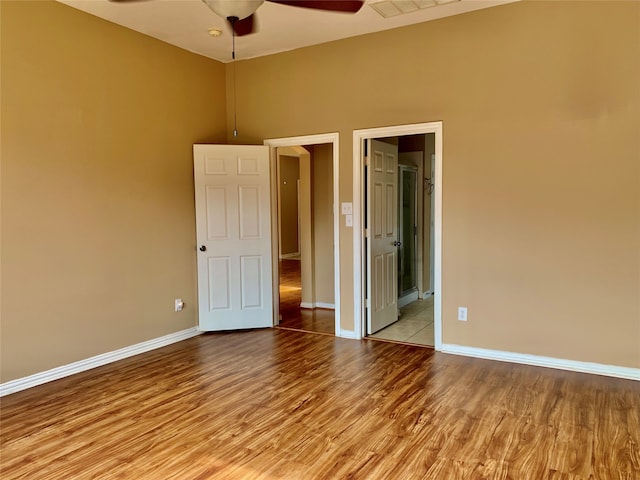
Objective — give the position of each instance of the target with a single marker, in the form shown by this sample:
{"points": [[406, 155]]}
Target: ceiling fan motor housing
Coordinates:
{"points": [[237, 8]]}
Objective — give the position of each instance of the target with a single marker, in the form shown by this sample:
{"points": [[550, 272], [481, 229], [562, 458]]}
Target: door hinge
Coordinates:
{"points": [[366, 233], [367, 302], [366, 161]]}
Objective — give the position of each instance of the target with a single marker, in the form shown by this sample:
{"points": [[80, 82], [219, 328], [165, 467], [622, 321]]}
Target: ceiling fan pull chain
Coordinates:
{"points": [[233, 21]]}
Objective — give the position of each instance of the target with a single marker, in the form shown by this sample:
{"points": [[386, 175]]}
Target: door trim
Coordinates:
{"points": [[334, 139], [359, 280]]}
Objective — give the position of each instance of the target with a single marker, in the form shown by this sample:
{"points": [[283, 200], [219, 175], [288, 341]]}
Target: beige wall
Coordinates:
{"points": [[288, 177], [541, 210], [98, 233], [322, 168]]}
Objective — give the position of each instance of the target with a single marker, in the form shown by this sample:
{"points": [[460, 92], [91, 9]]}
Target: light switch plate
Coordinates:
{"points": [[347, 208], [179, 305]]}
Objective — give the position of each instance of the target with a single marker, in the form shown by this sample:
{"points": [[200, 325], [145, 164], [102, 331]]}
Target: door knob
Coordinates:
{"points": [[203, 248], [397, 244]]}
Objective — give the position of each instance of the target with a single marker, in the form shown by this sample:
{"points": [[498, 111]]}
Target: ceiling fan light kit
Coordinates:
{"points": [[236, 8], [240, 13]]}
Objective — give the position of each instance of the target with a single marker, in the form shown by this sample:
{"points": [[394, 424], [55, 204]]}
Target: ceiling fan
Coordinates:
{"points": [[240, 13]]}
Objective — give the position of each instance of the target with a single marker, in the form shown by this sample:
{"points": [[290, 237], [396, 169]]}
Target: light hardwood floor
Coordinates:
{"points": [[274, 404]]}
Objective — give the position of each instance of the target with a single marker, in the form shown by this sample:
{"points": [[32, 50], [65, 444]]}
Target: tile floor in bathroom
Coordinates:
{"points": [[415, 324]]}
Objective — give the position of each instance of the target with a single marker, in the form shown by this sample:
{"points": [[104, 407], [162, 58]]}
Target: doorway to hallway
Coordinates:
{"points": [[306, 284]]}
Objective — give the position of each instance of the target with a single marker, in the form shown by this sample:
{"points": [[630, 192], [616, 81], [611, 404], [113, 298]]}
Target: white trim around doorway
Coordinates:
{"points": [[334, 139], [359, 280]]}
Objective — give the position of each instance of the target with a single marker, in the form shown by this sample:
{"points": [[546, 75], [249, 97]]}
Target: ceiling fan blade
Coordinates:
{"points": [[348, 6], [244, 26]]}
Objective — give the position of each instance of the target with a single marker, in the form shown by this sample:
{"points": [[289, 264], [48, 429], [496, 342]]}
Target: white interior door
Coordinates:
{"points": [[233, 230], [382, 239]]}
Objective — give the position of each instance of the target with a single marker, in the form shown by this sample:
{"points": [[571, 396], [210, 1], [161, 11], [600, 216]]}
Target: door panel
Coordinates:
{"points": [[233, 229], [249, 212], [391, 279], [390, 209], [217, 217], [383, 225], [251, 281], [219, 282]]}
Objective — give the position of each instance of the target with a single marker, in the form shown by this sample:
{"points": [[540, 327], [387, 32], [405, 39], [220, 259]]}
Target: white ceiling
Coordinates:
{"points": [[185, 23]]}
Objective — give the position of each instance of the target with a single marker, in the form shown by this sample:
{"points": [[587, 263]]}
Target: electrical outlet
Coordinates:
{"points": [[462, 314], [179, 304]]}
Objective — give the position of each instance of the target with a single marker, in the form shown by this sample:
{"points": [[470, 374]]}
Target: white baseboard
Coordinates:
{"points": [[328, 306], [426, 295], [348, 334], [407, 299], [540, 361], [40, 378]]}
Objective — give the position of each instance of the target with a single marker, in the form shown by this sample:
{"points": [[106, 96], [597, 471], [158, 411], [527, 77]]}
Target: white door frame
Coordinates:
{"points": [[359, 280], [333, 138]]}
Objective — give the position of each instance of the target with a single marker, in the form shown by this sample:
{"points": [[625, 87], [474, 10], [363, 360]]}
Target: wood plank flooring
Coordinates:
{"points": [[279, 404], [293, 317]]}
